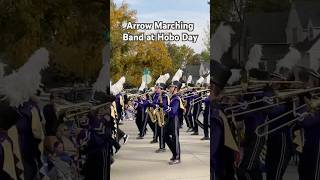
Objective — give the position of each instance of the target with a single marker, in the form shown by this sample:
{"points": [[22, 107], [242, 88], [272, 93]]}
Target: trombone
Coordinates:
{"points": [[86, 111], [312, 105], [184, 96], [260, 130], [199, 99], [278, 96]]}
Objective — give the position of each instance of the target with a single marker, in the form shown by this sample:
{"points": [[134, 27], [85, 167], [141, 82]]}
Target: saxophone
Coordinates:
{"points": [[161, 120], [151, 113]]}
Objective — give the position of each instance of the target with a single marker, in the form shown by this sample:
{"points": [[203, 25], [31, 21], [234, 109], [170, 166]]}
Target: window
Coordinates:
{"points": [[294, 35]]}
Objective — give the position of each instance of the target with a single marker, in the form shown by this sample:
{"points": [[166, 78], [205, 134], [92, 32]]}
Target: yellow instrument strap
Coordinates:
{"points": [[8, 164], [13, 135], [168, 99], [181, 104], [113, 115], [298, 140], [115, 109], [229, 140]]}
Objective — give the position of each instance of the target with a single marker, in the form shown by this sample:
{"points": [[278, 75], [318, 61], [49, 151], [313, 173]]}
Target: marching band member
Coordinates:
{"points": [[206, 117], [187, 98], [188, 114], [250, 165], [197, 109], [164, 102], [140, 116], [29, 130], [116, 91], [309, 164], [206, 112], [220, 156], [279, 144], [147, 119], [8, 118], [196, 113], [172, 127]]}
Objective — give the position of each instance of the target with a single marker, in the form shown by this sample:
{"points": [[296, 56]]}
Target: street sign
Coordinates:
{"points": [[147, 79], [146, 76]]}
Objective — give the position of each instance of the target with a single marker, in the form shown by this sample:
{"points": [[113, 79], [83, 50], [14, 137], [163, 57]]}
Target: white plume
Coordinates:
{"points": [[102, 81], [200, 80], [189, 80], [235, 76], [159, 79], [221, 41], [177, 76], [2, 66], [19, 86], [117, 87], [208, 79], [254, 57], [166, 77], [142, 86], [290, 60]]}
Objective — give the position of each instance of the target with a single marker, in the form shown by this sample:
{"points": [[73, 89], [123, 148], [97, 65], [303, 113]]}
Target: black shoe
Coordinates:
{"points": [[189, 130], [139, 137], [172, 158], [125, 138], [195, 133], [153, 141], [160, 150], [117, 147], [205, 138], [175, 161]]}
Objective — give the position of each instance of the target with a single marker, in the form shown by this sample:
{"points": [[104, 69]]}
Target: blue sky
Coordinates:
{"points": [[191, 11]]}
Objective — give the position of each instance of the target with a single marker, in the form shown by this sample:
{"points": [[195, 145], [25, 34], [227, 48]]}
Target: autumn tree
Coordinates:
{"points": [[72, 31], [129, 58]]}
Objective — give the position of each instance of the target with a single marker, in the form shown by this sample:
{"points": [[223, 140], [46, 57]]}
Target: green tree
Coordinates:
{"points": [[180, 54]]}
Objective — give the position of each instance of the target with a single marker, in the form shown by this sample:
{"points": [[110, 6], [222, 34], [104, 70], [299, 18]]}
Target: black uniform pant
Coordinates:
{"points": [[279, 152], [181, 117], [188, 117], [250, 165], [140, 123], [196, 113], [309, 166], [31, 169], [172, 136], [148, 121], [161, 137], [206, 117], [98, 165]]}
